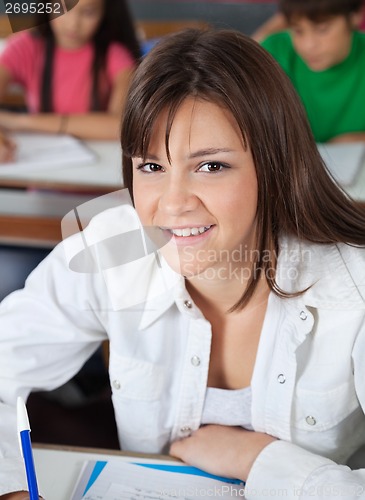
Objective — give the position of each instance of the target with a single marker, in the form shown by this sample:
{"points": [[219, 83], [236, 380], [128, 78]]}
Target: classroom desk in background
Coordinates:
{"points": [[357, 189], [100, 176], [33, 217]]}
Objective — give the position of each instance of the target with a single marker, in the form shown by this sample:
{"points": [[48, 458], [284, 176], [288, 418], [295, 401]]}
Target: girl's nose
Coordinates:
{"points": [[177, 198]]}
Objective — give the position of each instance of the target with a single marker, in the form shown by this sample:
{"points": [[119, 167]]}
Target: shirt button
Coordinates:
{"points": [[188, 304], [281, 378], [116, 384], [195, 361], [311, 420], [303, 315], [185, 429]]}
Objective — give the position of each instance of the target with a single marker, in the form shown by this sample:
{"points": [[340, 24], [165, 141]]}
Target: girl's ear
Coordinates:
{"points": [[357, 17]]}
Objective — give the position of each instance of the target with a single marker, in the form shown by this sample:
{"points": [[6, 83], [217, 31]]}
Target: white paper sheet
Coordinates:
{"points": [[118, 492], [47, 151], [127, 481]]}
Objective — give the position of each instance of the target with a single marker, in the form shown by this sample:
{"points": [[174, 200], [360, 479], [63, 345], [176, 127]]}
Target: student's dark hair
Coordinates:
{"points": [[296, 195], [117, 25], [318, 10]]}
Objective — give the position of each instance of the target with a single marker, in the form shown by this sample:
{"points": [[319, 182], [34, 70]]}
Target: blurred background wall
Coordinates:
{"points": [[243, 15]]}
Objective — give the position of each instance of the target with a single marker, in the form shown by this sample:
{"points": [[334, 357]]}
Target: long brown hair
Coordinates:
{"points": [[296, 195]]}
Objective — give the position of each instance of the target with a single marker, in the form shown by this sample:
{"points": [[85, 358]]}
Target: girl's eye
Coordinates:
{"points": [[212, 166], [149, 168]]}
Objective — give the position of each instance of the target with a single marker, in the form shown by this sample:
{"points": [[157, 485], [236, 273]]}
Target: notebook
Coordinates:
{"points": [[344, 160]]}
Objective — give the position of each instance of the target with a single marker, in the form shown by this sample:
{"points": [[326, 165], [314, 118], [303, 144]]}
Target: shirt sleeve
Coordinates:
{"points": [[18, 56], [293, 472], [119, 59], [12, 473], [289, 471], [47, 332]]}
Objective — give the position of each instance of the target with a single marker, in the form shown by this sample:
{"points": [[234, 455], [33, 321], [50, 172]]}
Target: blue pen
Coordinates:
{"points": [[26, 448]]}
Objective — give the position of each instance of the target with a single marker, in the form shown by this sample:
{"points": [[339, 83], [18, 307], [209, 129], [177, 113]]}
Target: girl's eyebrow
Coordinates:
{"points": [[196, 154], [210, 151], [151, 157]]}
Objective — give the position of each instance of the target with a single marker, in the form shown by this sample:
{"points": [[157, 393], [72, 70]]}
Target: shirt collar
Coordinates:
{"points": [[162, 287], [333, 275]]}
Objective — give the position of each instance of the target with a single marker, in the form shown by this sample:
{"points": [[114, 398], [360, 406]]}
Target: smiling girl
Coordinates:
{"points": [[248, 367]]}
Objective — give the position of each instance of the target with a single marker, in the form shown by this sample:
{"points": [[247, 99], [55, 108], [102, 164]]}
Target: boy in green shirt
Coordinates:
{"points": [[324, 56]]}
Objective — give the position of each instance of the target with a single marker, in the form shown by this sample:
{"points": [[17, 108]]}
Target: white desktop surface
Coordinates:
{"points": [[344, 160], [59, 469], [357, 189], [36, 204], [106, 170]]}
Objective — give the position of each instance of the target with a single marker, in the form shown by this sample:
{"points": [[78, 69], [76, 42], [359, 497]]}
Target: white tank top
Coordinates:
{"points": [[228, 407]]}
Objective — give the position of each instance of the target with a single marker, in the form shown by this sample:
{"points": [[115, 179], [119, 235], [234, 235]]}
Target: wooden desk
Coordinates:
{"points": [[34, 218], [58, 467], [102, 175]]}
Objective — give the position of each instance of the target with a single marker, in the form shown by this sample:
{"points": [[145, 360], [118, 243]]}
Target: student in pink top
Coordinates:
{"points": [[75, 72]]}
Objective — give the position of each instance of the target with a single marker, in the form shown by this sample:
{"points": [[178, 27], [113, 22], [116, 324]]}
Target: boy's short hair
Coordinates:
{"points": [[317, 10]]}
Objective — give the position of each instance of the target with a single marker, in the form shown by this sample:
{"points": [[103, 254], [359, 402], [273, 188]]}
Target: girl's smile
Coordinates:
{"points": [[188, 235]]}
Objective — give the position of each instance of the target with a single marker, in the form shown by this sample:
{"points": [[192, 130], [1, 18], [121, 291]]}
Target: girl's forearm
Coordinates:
{"points": [[98, 126]]}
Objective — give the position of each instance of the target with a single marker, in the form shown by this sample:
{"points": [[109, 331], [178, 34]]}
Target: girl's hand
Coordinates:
{"points": [[221, 450], [7, 149]]}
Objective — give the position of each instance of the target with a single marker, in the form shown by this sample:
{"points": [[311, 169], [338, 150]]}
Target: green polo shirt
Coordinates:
{"points": [[335, 98]]}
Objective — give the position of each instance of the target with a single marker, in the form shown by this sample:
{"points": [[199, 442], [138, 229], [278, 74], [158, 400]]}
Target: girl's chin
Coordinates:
{"points": [[185, 261], [188, 270]]}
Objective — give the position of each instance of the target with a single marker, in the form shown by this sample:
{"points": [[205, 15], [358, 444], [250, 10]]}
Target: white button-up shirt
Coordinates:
{"points": [[308, 384]]}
